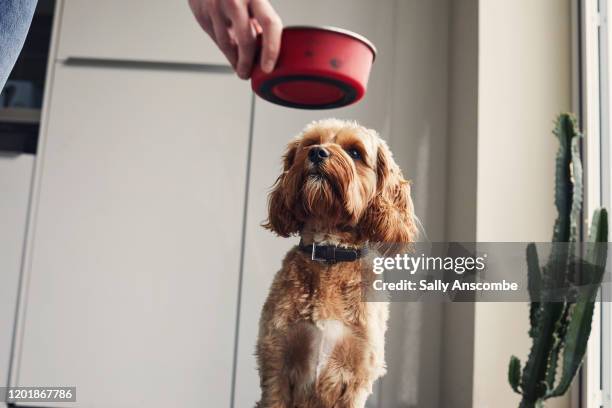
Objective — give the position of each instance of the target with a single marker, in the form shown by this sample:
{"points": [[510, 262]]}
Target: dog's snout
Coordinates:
{"points": [[317, 154]]}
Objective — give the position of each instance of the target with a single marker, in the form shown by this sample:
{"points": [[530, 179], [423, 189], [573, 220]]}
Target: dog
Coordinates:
{"points": [[320, 345]]}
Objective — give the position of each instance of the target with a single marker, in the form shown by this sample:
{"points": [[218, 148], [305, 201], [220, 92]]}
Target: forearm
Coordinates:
{"points": [[15, 19]]}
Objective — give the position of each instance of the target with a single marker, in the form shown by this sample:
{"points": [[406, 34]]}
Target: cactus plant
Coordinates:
{"points": [[560, 328]]}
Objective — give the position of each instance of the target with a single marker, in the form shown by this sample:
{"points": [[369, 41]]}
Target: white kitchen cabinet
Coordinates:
{"points": [[134, 30], [15, 182], [133, 265]]}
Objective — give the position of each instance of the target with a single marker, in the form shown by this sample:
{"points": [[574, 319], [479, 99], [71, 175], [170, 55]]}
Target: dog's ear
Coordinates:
{"points": [[281, 219], [389, 217]]}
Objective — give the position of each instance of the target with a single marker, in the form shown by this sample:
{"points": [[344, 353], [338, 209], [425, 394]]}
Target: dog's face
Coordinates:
{"points": [[341, 176]]}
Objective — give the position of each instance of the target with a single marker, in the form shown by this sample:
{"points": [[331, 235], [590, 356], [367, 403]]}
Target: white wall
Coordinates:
{"points": [[417, 135], [524, 82]]}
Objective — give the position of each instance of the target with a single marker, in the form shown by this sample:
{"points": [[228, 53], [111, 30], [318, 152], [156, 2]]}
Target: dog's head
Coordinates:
{"points": [[338, 175]]}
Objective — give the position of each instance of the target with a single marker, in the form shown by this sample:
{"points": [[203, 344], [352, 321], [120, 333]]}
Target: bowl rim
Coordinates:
{"points": [[338, 30]]}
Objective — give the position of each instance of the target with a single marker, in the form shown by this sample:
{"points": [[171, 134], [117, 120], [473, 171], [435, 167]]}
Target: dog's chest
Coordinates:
{"points": [[331, 332], [331, 294]]}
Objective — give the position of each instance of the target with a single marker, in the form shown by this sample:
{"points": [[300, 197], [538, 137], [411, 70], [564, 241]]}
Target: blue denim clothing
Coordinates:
{"points": [[15, 19]]}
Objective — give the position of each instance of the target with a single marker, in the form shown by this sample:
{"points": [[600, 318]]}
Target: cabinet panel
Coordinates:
{"points": [[135, 30], [135, 259], [15, 181]]}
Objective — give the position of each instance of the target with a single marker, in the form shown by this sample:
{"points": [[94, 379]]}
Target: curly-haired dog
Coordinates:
{"points": [[320, 345]]}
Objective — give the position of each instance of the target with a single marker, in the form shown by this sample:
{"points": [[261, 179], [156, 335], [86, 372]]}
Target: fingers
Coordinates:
{"points": [[221, 33], [218, 17], [272, 28], [201, 17], [244, 35]]}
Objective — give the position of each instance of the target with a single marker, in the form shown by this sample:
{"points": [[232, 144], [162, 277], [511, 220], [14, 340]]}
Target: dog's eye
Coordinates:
{"points": [[354, 153]]}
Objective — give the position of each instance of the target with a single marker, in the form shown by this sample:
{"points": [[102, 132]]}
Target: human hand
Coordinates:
{"points": [[234, 25]]}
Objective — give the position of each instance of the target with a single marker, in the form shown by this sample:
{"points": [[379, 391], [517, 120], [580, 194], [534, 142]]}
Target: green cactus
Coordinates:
{"points": [[560, 329]]}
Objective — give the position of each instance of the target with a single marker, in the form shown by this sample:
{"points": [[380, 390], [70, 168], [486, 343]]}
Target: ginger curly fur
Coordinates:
{"points": [[320, 345]]}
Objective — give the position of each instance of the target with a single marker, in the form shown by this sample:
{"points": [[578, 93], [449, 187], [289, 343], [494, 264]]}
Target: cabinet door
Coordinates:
{"points": [[15, 181], [134, 265], [134, 30]]}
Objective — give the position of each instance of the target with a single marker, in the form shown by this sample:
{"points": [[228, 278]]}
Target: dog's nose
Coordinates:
{"points": [[318, 154]]}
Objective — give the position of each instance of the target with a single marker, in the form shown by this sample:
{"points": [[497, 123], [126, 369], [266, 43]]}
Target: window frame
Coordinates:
{"points": [[591, 76]]}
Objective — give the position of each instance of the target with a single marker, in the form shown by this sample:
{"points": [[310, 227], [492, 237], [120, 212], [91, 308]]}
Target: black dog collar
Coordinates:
{"points": [[332, 253]]}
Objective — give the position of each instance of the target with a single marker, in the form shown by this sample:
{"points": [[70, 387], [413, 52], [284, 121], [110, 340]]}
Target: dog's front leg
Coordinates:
{"points": [[275, 387], [347, 380]]}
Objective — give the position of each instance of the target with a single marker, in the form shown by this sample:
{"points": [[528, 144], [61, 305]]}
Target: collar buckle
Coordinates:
{"points": [[332, 254], [328, 253]]}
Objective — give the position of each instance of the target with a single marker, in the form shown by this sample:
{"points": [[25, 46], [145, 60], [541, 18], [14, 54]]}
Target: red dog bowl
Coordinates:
{"points": [[317, 68]]}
